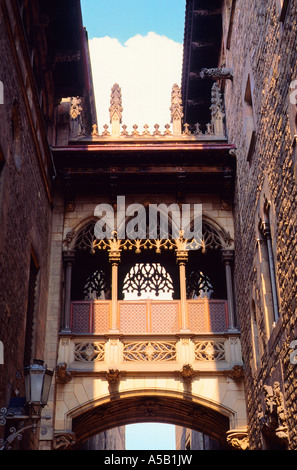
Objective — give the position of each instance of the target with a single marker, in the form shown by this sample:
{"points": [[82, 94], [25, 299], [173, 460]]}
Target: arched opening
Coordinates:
{"points": [[148, 407], [148, 271]]}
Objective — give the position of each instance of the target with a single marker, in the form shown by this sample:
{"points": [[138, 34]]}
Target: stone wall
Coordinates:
{"points": [[25, 220], [263, 50]]}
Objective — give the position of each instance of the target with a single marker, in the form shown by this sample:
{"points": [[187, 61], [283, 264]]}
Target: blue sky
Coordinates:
{"points": [[150, 436], [138, 44], [123, 19]]}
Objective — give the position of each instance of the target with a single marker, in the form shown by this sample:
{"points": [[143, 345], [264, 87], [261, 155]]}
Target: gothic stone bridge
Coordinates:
{"points": [[121, 360]]}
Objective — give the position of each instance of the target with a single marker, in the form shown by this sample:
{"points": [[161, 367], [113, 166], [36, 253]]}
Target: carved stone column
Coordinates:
{"points": [[68, 258], [227, 258], [114, 258], [182, 258]]}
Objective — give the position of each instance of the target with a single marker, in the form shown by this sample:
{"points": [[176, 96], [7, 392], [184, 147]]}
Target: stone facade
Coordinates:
{"points": [[259, 45], [30, 125], [255, 67], [25, 207]]}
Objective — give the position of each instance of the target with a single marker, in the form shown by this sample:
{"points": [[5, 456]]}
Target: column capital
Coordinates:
{"points": [[182, 256], [115, 256], [69, 257], [227, 256]]}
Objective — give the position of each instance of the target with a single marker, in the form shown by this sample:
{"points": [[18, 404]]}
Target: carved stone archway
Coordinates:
{"points": [[149, 406]]}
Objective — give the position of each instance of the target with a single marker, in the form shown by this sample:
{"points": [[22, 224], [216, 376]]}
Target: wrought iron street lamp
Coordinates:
{"points": [[37, 386]]}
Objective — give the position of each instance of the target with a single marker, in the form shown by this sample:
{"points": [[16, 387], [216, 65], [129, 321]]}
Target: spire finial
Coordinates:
{"points": [[176, 110], [116, 109]]}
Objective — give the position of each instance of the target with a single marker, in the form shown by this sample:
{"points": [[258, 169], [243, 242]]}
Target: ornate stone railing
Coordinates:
{"points": [[149, 316], [150, 352]]}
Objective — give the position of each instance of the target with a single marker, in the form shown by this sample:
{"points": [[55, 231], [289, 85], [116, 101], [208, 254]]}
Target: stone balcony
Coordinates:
{"points": [[150, 337]]}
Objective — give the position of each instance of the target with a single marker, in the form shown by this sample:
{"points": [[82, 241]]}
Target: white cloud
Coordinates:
{"points": [[145, 67]]}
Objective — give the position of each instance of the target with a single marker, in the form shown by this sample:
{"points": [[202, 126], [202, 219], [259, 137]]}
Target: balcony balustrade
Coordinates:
{"points": [[150, 337], [149, 316]]}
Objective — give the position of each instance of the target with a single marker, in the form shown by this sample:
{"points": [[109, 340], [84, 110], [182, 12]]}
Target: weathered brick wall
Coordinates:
{"points": [[264, 47], [25, 220]]}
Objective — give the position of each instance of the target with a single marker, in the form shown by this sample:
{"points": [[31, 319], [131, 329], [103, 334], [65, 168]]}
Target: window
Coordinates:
{"points": [[292, 109], [249, 121], [255, 335], [282, 8], [31, 311], [148, 281], [269, 285]]}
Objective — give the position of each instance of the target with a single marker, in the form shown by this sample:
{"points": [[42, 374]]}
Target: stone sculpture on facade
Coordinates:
{"points": [[273, 418]]}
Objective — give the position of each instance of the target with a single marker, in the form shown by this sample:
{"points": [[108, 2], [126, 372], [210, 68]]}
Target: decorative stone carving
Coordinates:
{"points": [[219, 73], [236, 373], [273, 418], [116, 109], [95, 130], [89, 352], [238, 439], [150, 351], [150, 408], [210, 351], [145, 277], [176, 110], [76, 108], [66, 56], [113, 376], [187, 373], [64, 440], [63, 376], [217, 111]]}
